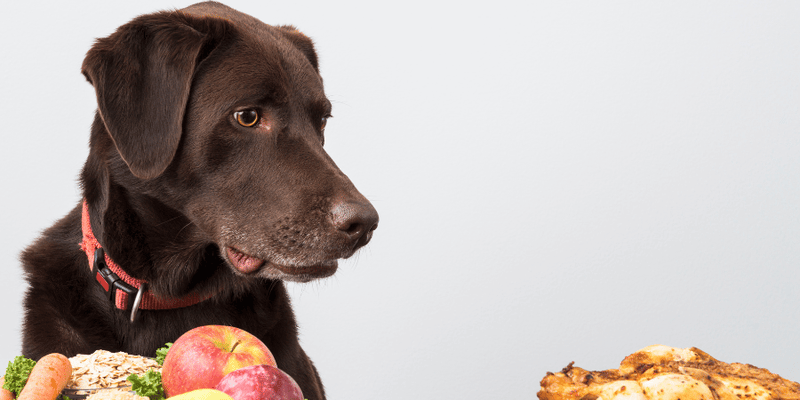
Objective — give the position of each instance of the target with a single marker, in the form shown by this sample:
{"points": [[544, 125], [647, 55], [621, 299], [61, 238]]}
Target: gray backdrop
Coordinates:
{"points": [[558, 181]]}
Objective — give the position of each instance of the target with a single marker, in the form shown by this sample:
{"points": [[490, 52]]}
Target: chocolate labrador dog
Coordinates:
{"points": [[206, 187]]}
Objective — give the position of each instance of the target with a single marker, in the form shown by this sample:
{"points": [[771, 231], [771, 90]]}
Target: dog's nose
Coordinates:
{"points": [[357, 220]]}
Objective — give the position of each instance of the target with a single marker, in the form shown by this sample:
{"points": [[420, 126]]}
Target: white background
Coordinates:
{"points": [[560, 181]]}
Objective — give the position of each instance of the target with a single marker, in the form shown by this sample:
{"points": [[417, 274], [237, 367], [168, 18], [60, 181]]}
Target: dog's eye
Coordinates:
{"points": [[246, 118], [324, 122]]}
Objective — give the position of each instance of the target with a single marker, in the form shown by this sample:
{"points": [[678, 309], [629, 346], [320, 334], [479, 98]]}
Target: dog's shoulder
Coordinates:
{"points": [[57, 301], [57, 251]]}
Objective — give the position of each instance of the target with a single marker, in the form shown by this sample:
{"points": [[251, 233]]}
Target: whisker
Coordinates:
{"points": [[168, 220]]}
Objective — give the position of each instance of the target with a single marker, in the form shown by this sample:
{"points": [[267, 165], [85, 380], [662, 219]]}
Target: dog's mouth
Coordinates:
{"points": [[248, 264]]}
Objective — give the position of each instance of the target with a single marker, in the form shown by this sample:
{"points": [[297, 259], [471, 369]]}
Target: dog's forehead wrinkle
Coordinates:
{"points": [[252, 75], [277, 61]]}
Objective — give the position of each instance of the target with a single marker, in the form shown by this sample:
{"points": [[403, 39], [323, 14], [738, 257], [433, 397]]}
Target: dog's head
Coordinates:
{"points": [[221, 117]]}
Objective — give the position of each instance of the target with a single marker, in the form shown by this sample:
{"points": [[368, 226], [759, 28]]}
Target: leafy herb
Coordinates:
{"points": [[17, 373], [161, 353], [148, 385]]}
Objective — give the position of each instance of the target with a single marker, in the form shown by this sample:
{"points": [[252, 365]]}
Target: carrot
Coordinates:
{"points": [[48, 378], [5, 394]]}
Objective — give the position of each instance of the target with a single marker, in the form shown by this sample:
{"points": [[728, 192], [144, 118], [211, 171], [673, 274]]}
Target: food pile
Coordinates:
{"points": [[212, 362], [104, 369], [666, 373]]}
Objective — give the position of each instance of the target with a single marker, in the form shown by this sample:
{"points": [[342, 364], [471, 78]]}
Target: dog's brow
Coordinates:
{"points": [[273, 98], [322, 107]]}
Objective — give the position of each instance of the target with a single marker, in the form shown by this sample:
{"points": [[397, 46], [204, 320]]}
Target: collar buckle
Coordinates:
{"points": [[111, 282]]}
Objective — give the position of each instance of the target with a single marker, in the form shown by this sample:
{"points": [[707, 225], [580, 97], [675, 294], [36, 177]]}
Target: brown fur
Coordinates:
{"points": [[172, 180]]}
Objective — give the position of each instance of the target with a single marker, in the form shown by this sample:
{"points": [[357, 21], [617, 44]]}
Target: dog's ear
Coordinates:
{"points": [[302, 42], [142, 76]]}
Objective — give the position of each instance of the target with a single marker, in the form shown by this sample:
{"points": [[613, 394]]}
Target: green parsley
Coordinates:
{"points": [[17, 373], [148, 385], [161, 353]]}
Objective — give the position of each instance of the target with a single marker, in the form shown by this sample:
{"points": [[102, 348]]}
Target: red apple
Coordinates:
{"points": [[202, 356], [260, 382]]}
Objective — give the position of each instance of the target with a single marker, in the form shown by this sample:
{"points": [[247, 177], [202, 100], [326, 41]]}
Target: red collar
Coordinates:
{"points": [[125, 291]]}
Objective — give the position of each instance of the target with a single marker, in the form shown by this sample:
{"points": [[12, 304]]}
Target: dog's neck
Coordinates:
{"points": [[125, 291], [150, 241]]}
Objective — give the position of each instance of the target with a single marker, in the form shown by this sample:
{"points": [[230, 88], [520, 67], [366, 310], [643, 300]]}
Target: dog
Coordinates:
{"points": [[205, 188]]}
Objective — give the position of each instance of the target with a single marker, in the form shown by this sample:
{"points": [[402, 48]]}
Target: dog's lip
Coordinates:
{"points": [[247, 264], [325, 268], [243, 262]]}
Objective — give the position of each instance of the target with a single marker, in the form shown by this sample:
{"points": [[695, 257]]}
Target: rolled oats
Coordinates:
{"points": [[104, 369]]}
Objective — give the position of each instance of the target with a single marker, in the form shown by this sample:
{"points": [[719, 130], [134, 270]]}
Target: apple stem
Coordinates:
{"points": [[234, 346]]}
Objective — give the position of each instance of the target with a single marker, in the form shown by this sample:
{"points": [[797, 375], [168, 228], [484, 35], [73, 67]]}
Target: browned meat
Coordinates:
{"points": [[667, 373]]}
